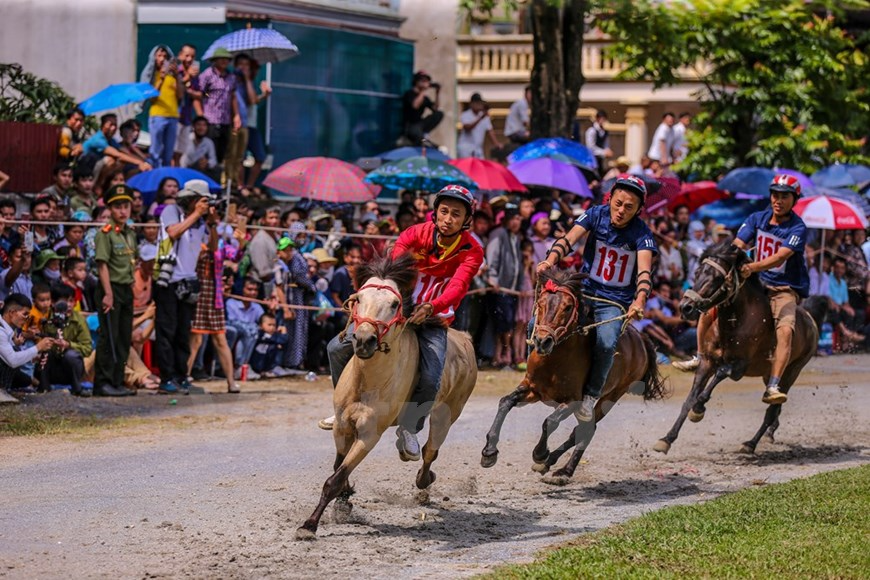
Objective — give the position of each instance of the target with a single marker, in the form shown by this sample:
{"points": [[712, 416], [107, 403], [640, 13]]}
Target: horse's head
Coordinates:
{"points": [[717, 279], [382, 303], [558, 308]]}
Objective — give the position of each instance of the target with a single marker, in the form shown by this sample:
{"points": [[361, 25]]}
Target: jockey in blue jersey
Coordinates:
{"points": [[618, 260], [779, 237]]}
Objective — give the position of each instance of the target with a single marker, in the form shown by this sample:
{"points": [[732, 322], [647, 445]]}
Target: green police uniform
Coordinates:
{"points": [[115, 246]]}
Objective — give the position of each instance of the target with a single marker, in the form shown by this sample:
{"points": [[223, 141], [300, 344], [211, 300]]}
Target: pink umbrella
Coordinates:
{"points": [[322, 179]]}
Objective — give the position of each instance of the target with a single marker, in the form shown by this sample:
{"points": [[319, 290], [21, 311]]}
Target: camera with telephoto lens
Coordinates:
{"points": [[59, 315], [217, 202], [167, 267]]}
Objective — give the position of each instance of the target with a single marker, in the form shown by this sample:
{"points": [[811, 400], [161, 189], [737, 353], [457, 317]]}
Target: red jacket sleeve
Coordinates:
{"points": [[406, 243], [456, 288]]}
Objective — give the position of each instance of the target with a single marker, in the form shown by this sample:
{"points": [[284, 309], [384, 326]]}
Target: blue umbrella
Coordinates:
{"points": [[730, 212], [115, 96], [559, 149], [149, 181], [419, 174], [842, 175], [752, 180], [405, 152], [262, 44]]}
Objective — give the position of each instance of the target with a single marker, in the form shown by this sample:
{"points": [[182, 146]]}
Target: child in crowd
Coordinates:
{"points": [[73, 274], [47, 267], [72, 240], [269, 350]]}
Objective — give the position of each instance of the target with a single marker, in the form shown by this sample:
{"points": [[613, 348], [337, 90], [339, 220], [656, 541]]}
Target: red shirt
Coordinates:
{"points": [[445, 274]]}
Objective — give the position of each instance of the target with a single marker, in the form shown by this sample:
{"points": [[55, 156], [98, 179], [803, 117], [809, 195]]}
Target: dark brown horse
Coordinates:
{"points": [[558, 369], [743, 340]]}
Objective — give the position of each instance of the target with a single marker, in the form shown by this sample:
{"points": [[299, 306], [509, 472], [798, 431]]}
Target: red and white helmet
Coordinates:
{"points": [[786, 184], [455, 192], [632, 184]]}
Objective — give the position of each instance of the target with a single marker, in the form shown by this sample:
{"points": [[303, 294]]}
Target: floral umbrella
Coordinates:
{"points": [[419, 174]]}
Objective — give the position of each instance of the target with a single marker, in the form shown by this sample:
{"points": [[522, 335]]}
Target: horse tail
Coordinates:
{"points": [[817, 306], [654, 386]]}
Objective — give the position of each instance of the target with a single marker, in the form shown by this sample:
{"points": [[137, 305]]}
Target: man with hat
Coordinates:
{"points": [[183, 231], [617, 259], [416, 127], [115, 254], [476, 125], [219, 104]]}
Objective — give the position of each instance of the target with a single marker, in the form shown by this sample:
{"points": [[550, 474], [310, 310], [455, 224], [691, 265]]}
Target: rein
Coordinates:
{"points": [[730, 290], [381, 327]]}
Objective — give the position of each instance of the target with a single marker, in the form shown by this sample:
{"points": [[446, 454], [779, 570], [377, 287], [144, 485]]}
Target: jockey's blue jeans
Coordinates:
{"points": [[606, 337], [433, 349]]}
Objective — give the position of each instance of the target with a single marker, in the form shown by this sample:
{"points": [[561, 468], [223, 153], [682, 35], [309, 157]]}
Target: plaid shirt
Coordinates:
{"points": [[217, 92]]}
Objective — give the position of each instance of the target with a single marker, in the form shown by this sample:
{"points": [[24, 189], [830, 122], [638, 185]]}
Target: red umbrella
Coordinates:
{"points": [[322, 179], [659, 198], [694, 195], [489, 175]]}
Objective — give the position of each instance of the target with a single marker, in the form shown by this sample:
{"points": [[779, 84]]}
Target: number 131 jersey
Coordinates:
{"points": [[610, 256]]}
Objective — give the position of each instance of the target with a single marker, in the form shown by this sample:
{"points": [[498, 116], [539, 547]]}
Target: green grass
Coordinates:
{"points": [[14, 423], [813, 528]]}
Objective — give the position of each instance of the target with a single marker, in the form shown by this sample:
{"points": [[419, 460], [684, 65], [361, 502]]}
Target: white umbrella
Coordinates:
{"points": [[830, 213]]}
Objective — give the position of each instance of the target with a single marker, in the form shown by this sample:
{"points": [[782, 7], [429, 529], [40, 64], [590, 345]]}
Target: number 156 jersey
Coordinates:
{"points": [[610, 256], [768, 238]]}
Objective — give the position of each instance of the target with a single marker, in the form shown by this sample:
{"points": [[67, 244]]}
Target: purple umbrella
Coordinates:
{"points": [[546, 172]]}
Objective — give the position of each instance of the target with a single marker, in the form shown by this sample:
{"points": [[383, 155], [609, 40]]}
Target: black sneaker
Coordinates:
{"points": [[167, 388]]}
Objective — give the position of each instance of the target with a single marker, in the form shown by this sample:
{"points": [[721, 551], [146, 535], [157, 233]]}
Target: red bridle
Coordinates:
{"points": [[559, 332], [381, 327]]}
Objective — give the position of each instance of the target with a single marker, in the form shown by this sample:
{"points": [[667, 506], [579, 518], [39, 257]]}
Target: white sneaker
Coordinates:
{"points": [[587, 409], [327, 424], [6, 398], [687, 365], [407, 444]]}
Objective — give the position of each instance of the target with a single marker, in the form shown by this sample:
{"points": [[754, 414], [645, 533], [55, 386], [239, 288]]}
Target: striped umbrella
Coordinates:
{"points": [[322, 179], [262, 44], [830, 213]]}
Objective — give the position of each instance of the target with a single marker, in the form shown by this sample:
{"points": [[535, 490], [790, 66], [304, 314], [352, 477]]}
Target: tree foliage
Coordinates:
{"points": [[26, 98], [784, 83]]}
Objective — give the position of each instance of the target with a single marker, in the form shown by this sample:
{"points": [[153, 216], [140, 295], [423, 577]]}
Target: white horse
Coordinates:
{"points": [[374, 390]]}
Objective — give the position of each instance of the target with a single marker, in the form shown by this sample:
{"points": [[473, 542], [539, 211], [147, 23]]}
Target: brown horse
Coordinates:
{"points": [[558, 368], [743, 339], [373, 390]]}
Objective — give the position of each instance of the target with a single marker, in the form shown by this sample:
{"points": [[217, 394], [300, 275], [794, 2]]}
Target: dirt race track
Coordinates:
{"points": [[216, 486]]}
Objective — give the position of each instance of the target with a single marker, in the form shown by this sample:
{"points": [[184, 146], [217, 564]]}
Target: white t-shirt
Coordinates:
{"points": [[470, 143], [187, 247], [517, 118], [681, 144], [663, 134]]}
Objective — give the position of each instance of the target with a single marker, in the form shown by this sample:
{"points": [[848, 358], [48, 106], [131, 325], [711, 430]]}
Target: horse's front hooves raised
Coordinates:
{"points": [[662, 446], [747, 449], [425, 482], [540, 467], [559, 480], [488, 461], [305, 535], [695, 417]]}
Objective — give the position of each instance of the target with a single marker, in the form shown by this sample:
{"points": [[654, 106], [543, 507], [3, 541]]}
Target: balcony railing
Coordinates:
{"points": [[509, 58]]}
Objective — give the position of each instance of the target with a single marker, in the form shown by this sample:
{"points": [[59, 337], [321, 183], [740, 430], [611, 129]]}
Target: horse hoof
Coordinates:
{"points": [[305, 535], [341, 511], [425, 483], [662, 446], [560, 480], [488, 461], [746, 448], [540, 467], [695, 417]]}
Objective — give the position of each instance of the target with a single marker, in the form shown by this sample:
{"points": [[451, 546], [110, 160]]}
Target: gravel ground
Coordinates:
{"points": [[216, 485]]}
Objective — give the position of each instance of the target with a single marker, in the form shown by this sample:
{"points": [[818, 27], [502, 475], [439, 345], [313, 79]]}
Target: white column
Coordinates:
{"points": [[635, 132]]}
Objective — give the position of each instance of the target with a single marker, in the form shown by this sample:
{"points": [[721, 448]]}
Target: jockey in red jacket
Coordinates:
{"points": [[448, 258]]}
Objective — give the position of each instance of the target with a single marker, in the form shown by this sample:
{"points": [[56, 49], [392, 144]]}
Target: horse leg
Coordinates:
{"points": [[771, 416], [523, 394], [699, 408], [702, 376], [367, 438], [581, 437], [541, 451], [440, 421]]}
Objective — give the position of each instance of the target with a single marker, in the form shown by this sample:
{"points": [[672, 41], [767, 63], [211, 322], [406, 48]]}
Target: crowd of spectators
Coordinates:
{"points": [[254, 289]]}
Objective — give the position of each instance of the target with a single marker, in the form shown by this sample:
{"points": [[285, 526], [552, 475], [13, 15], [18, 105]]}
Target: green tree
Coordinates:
{"points": [[26, 98], [784, 83]]}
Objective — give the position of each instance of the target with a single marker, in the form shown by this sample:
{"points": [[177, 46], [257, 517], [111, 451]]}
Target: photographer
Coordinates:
{"points": [[65, 364], [16, 311], [183, 232], [476, 125], [414, 105]]}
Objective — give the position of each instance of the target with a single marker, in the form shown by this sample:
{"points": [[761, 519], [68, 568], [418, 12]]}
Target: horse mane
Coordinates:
{"points": [[401, 270], [573, 281], [726, 250]]}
